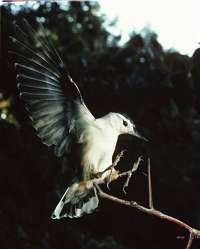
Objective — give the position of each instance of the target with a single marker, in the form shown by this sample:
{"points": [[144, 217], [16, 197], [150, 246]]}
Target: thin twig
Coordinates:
{"points": [[191, 237], [150, 186]]}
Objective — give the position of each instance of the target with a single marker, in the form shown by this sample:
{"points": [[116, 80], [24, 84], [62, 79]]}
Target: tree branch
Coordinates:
{"points": [[194, 233]]}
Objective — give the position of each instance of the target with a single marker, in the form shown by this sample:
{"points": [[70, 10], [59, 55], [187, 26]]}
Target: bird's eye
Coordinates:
{"points": [[125, 123]]}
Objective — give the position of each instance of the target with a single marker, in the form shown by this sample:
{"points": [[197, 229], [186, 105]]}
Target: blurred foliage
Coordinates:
{"points": [[5, 113], [159, 89]]}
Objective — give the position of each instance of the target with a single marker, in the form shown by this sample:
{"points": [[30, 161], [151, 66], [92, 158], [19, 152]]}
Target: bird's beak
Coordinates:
{"points": [[137, 134]]}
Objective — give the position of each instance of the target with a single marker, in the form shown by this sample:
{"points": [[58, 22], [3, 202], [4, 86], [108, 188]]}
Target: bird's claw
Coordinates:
{"points": [[109, 179], [129, 173], [108, 185], [124, 191]]}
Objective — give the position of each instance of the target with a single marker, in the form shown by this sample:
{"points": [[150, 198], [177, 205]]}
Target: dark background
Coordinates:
{"points": [[159, 89]]}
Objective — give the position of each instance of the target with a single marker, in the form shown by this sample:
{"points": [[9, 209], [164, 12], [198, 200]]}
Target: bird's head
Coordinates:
{"points": [[125, 125]]}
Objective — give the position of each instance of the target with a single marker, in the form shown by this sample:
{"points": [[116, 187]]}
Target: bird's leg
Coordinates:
{"points": [[114, 174], [129, 173], [111, 167]]}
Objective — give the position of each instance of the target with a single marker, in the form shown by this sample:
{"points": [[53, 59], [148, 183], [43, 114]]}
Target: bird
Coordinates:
{"points": [[62, 120]]}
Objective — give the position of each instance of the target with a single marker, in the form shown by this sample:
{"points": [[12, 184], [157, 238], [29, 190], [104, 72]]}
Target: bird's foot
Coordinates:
{"points": [[129, 173], [118, 158], [111, 167], [114, 174]]}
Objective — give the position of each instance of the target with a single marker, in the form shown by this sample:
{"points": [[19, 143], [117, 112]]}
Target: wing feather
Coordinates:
{"points": [[52, 98]]}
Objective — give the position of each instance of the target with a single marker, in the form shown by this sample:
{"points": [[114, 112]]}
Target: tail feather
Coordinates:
{"points": [[74, 205], [90, 203]]}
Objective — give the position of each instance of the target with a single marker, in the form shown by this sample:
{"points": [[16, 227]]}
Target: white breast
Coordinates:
{"points": [[98, 148]]}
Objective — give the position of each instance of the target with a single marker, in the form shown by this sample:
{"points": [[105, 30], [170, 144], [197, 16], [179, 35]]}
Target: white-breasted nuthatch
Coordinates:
{"points": [[61, 118]]}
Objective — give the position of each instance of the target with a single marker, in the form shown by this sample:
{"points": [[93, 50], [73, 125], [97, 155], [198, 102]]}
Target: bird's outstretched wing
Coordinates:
{"points": [[53, 99]]}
